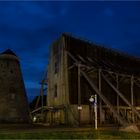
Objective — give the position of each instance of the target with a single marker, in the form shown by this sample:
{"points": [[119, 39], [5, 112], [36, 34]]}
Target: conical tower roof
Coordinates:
{"points": [[9, 52]]}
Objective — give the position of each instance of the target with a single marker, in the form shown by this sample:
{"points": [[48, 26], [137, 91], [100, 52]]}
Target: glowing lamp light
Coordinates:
{"points": [[79, 107], [34, 119], [91, 99]]}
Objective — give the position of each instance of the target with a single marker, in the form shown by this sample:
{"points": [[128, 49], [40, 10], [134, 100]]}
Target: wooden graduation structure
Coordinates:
{"points": [[78, 69]]}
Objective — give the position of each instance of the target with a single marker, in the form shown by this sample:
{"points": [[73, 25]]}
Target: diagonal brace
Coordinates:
{"points": [[120, 119], [121, 95]]}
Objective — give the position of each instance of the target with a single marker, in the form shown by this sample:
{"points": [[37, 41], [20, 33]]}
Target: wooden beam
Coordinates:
{"points": [[136, 82], [37, 102], [71, 67], [42, 96], [72, 57], [117, 86], [119, 118], [132, 90], [121, 95], [92, 69], [122, 107], [111, 74], [120, 74], [132, 95], [100, 100], [79, 93]]}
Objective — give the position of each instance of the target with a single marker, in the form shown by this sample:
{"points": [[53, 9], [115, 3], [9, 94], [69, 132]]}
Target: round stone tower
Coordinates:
{"points": [[13, 100]]}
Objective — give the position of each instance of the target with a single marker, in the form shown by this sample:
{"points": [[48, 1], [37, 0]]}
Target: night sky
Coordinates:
{"points": [[28, 28]]}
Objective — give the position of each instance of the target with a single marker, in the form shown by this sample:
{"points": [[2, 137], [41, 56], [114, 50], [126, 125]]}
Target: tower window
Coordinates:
{"points": [[55, 91], [12, 96], [12, 90], [7, 63], [11, 71], [56, 67]]}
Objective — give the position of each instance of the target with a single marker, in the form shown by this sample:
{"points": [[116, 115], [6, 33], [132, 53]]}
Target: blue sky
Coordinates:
{"points": [[29, 27]]}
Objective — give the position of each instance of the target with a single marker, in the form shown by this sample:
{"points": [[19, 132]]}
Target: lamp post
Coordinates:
{"points": [[93, 101]]}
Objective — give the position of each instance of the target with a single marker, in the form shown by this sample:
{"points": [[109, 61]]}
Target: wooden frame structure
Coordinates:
{"points": [[105, 74], [78, 69]]}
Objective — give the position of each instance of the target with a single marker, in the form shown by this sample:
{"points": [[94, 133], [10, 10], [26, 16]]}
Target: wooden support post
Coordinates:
{"points": [[37, 102], [66, 115], [122, 96], [120, 119], [100, 100], [51, 118], [137, 83], [125, 112], [40, 97], [79, 94], [132, 91], [132, 95], [42, 86], [117, 81]]}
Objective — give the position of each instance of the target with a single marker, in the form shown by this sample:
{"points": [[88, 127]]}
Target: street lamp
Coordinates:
{"points": [[34, 119], [93, 101]]}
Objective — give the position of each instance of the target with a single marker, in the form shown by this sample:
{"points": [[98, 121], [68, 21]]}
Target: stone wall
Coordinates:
{"points": [[13, 99]]}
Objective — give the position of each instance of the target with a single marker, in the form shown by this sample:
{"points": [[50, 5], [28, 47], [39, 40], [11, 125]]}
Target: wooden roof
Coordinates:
{"points": [[100, 56]]}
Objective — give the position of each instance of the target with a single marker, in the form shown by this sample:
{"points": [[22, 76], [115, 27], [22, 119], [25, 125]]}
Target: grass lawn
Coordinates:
{"points": [[100, 134]]}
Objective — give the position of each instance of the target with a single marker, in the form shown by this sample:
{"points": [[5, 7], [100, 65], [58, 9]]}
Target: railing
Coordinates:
{"points": [[124, 111]]}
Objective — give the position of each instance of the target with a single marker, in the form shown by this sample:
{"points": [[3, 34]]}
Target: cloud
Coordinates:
{"points": [[108, 12], [29, 27], [31, 14]]}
